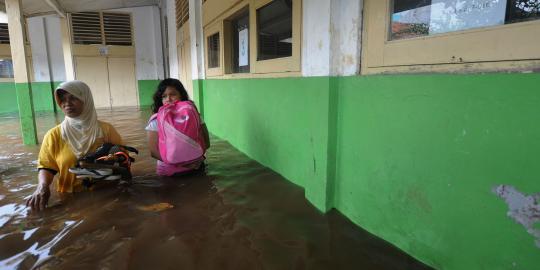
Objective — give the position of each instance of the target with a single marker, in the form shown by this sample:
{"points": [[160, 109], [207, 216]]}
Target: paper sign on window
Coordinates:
{"points": [[455, 15], [243, 48]]}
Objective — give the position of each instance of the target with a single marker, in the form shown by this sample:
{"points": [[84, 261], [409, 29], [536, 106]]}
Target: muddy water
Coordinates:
{"points": [[239, 215]]}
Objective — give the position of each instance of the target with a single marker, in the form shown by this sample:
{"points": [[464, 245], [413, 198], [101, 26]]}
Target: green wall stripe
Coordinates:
{"points": [[8, 97], [146, 91], [41, 92], [26, 113], [413, 158]]}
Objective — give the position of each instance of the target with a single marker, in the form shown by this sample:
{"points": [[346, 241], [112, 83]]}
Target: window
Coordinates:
{"points": [[414, 18], [255, 37], [106, 28], [213, 50], [117, 28], [6, 68], [86, 28], [182, 12], [4, 33], [423, 36], [274, 30], [239, 42]]}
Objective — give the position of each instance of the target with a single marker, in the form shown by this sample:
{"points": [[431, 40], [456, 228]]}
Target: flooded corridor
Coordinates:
{"points": [[239, 215]]}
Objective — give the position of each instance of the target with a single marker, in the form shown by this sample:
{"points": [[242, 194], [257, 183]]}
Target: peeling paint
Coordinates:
{"points": [[523, 209]]}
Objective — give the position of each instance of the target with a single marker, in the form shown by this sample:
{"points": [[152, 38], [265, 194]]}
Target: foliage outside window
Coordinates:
{"points": [[274, 30], [414, 18], [213, 50]]}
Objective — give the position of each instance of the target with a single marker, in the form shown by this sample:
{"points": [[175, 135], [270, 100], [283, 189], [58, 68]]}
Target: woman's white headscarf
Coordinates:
{"points": [[82, 131]]}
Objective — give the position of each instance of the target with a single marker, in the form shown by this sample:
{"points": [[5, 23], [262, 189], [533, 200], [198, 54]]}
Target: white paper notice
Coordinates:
{"points": [[243, 44], [455, 15]]}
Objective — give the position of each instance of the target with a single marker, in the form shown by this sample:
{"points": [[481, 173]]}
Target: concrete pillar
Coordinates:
{"points": [[20, 68], [197, 52], [66, 47], [174, 66], [331, 31]]}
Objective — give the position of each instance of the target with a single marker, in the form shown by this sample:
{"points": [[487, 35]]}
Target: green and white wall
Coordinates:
{"points": [[414, 159], [411, 158], [48, 59]]}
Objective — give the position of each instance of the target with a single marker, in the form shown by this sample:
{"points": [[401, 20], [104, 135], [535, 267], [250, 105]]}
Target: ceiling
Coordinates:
{"points": [[41, 7]]}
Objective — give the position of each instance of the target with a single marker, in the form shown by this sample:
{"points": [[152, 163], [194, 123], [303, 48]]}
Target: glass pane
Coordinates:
{"points": [[410, 18], [6, 68], [213, 51], [414, 18], [240, 43], [522, 10], [274, 30]]}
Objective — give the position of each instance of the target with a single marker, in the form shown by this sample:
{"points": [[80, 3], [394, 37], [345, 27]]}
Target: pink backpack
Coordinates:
{"points": [[179, 138]]}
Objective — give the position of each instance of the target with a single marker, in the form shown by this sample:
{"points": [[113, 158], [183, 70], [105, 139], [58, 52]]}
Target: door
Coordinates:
{"points": [[94, 72], [184, 61], [111, 80], [122, 82]]}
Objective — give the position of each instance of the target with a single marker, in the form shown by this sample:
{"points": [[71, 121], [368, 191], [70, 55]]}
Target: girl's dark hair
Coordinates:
{"points": [[161, 88]]}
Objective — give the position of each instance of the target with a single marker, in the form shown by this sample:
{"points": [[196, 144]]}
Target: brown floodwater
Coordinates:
{"points": [[238, 215]]}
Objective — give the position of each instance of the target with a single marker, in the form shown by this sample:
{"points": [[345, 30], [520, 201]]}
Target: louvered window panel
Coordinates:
{"points": [[182, 12], [4, 33], [117, 27], [86, 28]]}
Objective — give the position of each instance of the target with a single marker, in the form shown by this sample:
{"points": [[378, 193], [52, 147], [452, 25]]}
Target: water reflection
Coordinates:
{"points": [[239, 215]]}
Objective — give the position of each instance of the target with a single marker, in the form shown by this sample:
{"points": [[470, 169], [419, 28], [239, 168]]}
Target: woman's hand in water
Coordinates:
{"points": [[38, 201]]}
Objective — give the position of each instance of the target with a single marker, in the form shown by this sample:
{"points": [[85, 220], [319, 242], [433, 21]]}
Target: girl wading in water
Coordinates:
{"points": [[80, 133], [177, 136]]}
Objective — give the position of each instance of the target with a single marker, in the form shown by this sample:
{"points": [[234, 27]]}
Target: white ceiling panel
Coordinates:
{"points": [[38, 7]]}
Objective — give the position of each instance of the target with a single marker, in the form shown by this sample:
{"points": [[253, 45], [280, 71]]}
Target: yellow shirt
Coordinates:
{"points": [[55, 154]]}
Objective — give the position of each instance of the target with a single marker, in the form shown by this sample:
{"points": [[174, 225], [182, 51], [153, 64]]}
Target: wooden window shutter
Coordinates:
{"points": [[86, 28], [4, 33], [117, 28], [182, 12]]}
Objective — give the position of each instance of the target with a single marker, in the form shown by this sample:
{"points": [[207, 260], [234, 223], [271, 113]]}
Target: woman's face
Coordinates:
{"points": [[170, 95], [70, 105]]}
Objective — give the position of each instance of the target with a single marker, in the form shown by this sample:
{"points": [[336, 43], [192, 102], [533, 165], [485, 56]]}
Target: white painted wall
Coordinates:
{"points": [[346, 29], [38, 43], [331, 40], [174, 69], [316, 38], [197, 40], [147, 37], [45, 39], [54, 41]]}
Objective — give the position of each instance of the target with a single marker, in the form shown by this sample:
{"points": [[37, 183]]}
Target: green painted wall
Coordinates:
{"points": [[8, 97], [261, 117], [412, 159], [26, 113], [41, 93], [146, 90]]}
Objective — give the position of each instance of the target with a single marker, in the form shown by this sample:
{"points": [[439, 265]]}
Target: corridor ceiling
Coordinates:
{"points": [[41, 7]]}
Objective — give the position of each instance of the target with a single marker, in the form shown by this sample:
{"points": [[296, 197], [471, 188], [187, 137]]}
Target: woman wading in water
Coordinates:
{"points": [[80, 133]]}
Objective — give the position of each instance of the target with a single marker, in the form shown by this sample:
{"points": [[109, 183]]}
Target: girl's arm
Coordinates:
{"points": [[153, 144]]}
